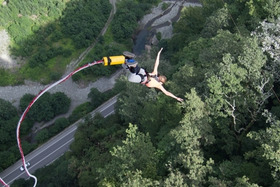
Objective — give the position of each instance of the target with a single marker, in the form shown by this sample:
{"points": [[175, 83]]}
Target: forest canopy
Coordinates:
{"points": [[225, 133]]}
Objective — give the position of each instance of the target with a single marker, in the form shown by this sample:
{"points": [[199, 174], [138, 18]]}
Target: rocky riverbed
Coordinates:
{"points": [[159, 20]]}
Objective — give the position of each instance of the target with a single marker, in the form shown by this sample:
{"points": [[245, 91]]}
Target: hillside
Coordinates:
{"points": [[223, 60]]}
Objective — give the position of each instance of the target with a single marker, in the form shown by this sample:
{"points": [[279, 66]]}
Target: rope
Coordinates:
{"points": [[33, 101]]}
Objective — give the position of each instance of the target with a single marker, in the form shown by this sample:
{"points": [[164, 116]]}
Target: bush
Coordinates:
{"points": [[158, 35], [46, 107], [58, 126], [25, 100], [96, 97], [80, 111], [7, 110], [42, 136], [60, 103], [164, 6]]}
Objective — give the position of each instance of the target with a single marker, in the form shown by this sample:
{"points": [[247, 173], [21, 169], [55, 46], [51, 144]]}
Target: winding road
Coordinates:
{"points": [[54, 148]]}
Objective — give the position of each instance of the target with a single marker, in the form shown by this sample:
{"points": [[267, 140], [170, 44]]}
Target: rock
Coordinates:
{"points": [[6, 60], [154, 40], [148, 48]]}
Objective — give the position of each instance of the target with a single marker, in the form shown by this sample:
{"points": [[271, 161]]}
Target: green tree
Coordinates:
{"points": [[7, 159], [122, 27], [219, 20], [80, 111], [153, 116], [238, 182], [267, 35], [90, 150], [175, 178], [183, 145], [25, 100], [60, 103], [262, 9], [232, 101], [96, 97], [130, 102], [83, 20], [7, 111], [269, 142], [137, 179], [8, 123], [42, 136], [187, 28], [42, 109], [135, 154], [58, 126]]}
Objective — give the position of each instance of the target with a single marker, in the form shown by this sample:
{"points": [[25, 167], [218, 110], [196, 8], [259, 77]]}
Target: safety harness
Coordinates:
{"points": [[137, 71]]}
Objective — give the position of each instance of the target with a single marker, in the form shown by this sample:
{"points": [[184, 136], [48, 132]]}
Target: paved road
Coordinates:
{"points": [[53, 149]]}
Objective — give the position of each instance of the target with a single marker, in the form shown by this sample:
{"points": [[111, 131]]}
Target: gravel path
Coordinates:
{"points": [[77, 93]]}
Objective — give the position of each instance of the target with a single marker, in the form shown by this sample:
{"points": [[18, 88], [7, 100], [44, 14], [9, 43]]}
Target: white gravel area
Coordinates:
{"points": [[156, 11], [5, 59], [77, 93], [166, 32], [167, 17]]}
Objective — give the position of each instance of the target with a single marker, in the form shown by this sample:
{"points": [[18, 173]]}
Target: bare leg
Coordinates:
{"points": [[155, 72]]}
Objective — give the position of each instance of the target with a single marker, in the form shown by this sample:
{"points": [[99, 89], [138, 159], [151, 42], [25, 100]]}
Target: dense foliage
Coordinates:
{"points": [[46, 107], [82, 21], [47, 33], [8, 146], [60, 175], [225, 133]]}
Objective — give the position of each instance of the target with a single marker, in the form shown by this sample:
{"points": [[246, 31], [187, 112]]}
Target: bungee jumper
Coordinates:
{"points": [[140, 75], [137, 75]]}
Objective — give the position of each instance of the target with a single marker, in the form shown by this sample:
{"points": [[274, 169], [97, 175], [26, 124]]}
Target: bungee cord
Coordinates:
{"points": [[3, 182], [30, 105]]}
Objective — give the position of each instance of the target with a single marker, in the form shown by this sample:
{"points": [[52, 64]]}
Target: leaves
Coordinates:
{"points": [[269, 145], [217, 136], [136, 153]]}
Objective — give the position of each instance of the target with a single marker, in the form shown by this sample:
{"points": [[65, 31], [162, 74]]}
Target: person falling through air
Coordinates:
{"points": [[139, 75]]}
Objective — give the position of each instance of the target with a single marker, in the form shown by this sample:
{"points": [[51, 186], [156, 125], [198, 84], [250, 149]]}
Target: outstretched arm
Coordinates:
{"points": [[170, 94], [155, 71]]}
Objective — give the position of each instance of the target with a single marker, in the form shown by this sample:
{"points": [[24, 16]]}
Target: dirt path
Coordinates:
{"points": [[74, 63], [77, 93]]}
